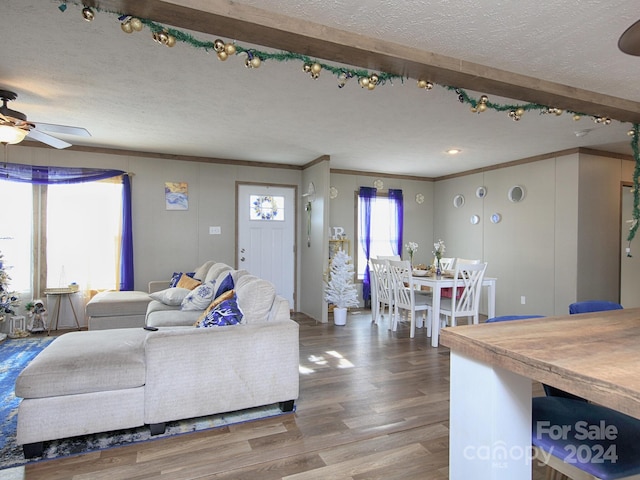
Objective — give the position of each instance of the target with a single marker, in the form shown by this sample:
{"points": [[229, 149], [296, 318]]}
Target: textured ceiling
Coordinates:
{"points": [[134, 94]]}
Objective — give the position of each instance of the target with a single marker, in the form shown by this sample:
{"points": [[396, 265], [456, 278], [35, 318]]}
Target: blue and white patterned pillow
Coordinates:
{"points": [[200, 297], [226, 313], [175, 278]]}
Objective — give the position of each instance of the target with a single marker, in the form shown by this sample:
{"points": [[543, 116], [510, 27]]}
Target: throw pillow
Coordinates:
{"points": [[225, 296], [225, 285], [171, 296], [187, 282], [225, 313], [175, 278], [199, 297]]}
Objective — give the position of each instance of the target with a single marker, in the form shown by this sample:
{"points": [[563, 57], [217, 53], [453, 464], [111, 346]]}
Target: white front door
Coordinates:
{"points": [[266, 235]]}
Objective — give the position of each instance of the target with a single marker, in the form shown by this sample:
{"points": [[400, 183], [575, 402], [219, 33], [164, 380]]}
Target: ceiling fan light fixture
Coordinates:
{"points": [[629, 41], [11, 135]]}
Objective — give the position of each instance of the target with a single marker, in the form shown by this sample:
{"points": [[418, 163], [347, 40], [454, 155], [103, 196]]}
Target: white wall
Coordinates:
{"points": [[557, 246], [418, 218], [314, 251]]}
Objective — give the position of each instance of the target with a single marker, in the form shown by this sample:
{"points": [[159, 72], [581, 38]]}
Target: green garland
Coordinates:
{"points": [[343, 74]]}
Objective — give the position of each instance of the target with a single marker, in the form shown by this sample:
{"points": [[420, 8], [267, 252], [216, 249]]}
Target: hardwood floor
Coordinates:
{"points": [[373, 404]]}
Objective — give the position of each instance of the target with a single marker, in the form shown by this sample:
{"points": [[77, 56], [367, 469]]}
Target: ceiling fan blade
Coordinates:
{"points": [[48, 139], [629, 41], [63, 129]]}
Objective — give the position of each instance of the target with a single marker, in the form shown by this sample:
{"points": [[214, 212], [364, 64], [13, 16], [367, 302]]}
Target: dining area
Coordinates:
{"points": [[430, 297]]}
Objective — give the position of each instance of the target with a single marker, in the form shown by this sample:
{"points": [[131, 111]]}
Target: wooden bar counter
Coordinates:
{"points": [[595, 356]]}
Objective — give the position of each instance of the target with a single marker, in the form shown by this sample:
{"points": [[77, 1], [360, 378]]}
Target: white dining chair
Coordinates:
{"points": [[381, 291], [447, 263], [405, 295], [467, 282], [389, 257], [467, 260]]}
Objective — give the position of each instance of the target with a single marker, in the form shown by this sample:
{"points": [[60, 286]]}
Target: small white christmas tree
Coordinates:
{"points": [[9, 299], [340, 290]]}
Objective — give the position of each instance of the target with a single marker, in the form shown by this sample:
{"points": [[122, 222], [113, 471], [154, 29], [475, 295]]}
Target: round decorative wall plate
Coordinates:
{"points": [[419, 198], [496, 217], [458, 201], [475, 219], [379, 184], [481, 192], [516, 193], [333, 192]]}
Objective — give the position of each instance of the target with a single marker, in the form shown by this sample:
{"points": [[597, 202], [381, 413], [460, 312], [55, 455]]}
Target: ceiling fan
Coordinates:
{"points": [[629, 41], [14, 126]]}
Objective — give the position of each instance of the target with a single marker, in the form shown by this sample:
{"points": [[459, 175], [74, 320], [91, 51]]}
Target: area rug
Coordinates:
{"points": [[11, 364]]}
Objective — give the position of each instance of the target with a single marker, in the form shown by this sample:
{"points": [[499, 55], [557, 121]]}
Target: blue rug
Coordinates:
{"points": [[15, 355]]}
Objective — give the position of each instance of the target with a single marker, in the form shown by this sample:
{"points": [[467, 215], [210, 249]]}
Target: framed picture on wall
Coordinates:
{"points": [[176, 195]]}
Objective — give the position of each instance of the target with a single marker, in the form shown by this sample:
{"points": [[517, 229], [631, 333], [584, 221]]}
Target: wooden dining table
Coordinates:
{"points": [[595, 356], [437, 284]]}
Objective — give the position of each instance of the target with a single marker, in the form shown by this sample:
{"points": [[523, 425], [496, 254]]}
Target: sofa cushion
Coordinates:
{"points": [[255, 298], [199, 297], [175, 278], [84, 362], [215, 270], [222, 314], [201, 271], [115, 303], [173, 318], [187, 282], [171, 296]]}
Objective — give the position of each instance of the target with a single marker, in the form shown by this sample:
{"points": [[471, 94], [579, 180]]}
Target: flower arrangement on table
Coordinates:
{"points": [[412, 247], [438, 249]]}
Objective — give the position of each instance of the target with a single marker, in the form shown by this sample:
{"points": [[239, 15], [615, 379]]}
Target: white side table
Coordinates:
{"points": [[59, 293]]}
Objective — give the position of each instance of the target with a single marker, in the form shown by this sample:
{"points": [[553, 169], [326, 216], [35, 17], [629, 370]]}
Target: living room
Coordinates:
{"points": [[543, 249]]}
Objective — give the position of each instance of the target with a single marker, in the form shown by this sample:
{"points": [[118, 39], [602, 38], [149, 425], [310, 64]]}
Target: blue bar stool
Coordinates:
{"points": [[585, 441]]}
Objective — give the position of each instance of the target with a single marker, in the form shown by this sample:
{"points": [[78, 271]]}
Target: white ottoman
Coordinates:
{"points": [[117, 310], [83, 382]]}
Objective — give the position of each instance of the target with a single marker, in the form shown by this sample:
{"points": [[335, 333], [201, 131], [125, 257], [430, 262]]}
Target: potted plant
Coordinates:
{"points": [[340, 289]]}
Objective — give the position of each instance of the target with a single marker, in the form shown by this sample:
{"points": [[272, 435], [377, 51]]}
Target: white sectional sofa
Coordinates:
{"points": [[103, 380]]}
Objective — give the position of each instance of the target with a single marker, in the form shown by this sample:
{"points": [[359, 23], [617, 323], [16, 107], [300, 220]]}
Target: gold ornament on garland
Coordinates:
{"points": [[366, 80], [87, 14]]}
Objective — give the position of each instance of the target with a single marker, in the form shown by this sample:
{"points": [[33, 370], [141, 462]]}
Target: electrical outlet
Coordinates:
{"points": [[215, 230], [523, 300]]}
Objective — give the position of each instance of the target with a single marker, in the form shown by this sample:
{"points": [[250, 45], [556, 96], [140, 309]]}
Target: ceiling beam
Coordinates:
{"points": [[242, 23]]}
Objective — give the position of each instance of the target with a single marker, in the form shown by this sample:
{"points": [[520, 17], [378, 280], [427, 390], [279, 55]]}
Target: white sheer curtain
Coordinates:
{"points": [[15, 234], [83, 235]]}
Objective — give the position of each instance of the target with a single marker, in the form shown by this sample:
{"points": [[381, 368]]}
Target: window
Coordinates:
{"points": [[385, 230], [15, 233], [266, 207], [76, 229], [83, 234]]}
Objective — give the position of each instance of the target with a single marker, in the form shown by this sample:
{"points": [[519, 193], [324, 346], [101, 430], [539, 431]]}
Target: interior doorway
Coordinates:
{"points": [[266, 225], [629, 266]]}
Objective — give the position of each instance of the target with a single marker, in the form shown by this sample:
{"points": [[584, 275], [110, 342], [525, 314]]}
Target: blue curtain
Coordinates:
{"points": [[367, 196], [395, 196], [44, 175], [126, 249]]}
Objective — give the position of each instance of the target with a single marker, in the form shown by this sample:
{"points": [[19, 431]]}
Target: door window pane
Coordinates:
{"points": [[266, 207]]}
